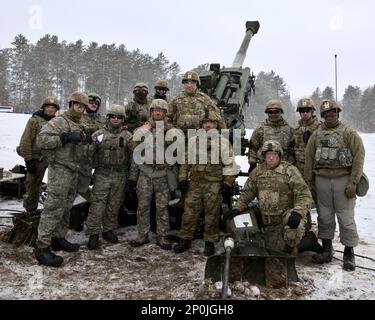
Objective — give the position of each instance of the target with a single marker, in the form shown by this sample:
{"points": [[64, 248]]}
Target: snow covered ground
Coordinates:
{"points": [[122, 272]]}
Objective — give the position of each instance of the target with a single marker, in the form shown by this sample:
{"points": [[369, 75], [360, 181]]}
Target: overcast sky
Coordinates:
{"points": [[297, 39]]}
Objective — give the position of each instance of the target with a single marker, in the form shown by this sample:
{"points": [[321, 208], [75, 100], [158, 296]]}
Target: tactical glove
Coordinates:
{"points": [[306, 136], [231, 214], [350, 190], [252, 167], [294, 220], [227, 193], [184, 186], [30, 166], [70, 137], [88, 139]]}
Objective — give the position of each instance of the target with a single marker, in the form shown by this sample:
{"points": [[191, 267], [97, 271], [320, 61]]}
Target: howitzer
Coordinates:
{"points": [[231, 88]]}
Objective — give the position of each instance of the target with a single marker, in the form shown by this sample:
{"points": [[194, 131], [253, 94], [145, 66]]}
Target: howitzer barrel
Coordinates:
{"points": [[252, 28]]}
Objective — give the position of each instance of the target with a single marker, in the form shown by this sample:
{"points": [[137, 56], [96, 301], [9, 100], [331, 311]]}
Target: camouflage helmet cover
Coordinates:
{"points": [[160, 104], [305, 103], [329, 105], [274, 104], [193, 76], [140, 86], [117, 110], [51, 101], [161, 84], [94, 96], [79, 97], [210, 116], [272, 145]]}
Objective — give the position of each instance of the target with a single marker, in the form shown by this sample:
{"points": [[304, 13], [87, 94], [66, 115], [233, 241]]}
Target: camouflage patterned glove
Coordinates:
{"points": [[350, 190]]}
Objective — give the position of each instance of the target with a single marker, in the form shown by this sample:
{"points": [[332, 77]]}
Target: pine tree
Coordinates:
{"points": [[351, 104]]}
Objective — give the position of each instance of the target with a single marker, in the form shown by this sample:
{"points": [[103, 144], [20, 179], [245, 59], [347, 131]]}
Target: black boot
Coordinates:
{"points": [[47, 258], [93, 242], [209, 248], [110, 236], [182, 245], [349, 260], [326, 254], [309, 243], [58, 244]]}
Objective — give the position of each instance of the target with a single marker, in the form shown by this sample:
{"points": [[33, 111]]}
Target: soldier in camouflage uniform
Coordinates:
{"points": [[161, 90], [111, 149], [333, 167], [61, 142], [274, 127], [211, 179], [187, 108], [35, 164], [283, 195], [152, 178], [137, 111], [91, 122], [306, 126]]}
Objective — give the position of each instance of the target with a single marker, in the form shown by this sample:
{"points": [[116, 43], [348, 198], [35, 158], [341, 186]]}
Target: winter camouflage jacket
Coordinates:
{"points": [[278, 190], [186, 110]]}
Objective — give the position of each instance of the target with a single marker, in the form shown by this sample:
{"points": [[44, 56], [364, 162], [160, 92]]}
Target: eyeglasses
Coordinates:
{"points": [[161, 89], [93, 101], [115, 116], [273, 112], [305, 110], [332, 111]]}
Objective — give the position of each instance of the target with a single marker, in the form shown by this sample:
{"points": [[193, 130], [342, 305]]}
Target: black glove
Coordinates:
{"points": [[227, 193], [70, 137], [184, 186], [88, 139], [294, 220], [131, 185], [30, 166], [306, 136], [252, 167], [231, 214]]}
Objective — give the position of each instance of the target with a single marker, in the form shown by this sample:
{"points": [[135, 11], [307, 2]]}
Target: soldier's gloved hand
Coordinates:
{"points": [[227, 193], [252, 167], [30, 166], [350, 190], [184, 186], [70, 137], [294, 220], [88, 139], [131, 185], [231, 214]]}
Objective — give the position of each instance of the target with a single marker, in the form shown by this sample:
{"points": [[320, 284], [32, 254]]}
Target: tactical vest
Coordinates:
{"points": [[331, 151], [274, 194], [113, 150], [282, 134]]}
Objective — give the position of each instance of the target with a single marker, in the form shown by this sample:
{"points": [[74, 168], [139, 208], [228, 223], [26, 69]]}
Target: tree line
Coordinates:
{"points": [[30, 72]]}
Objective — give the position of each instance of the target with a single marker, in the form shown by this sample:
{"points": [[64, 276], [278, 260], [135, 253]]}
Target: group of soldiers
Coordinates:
{"points": [[290, 168]]}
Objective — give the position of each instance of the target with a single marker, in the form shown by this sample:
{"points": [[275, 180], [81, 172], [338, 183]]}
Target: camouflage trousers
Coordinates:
{"points": [[207, 196], [278, 234], [54, 220], [84, 178], [33, 184], [146, 188], [106, 199]]}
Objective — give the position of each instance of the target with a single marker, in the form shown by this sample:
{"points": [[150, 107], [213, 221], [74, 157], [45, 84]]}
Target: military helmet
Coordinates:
{"points": [[362, 186], [79, 97], [193, 76], [140, 86], [272, 145], [51, 101], [210, 116], [161, 84], [329, 105], [160, 104], [96, 97], [117, 110], [305, 103], [274, 104]]}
